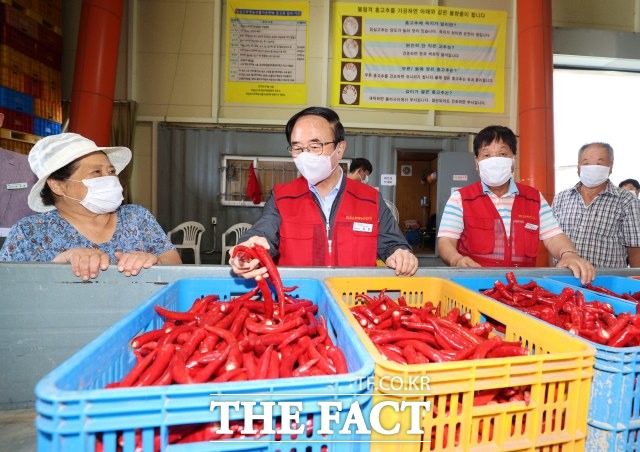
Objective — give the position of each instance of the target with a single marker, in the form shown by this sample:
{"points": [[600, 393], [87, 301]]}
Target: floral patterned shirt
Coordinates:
{"points": [[42, 237]]}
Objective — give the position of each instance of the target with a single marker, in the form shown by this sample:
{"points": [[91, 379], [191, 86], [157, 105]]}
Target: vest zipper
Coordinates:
{"points": [[329, 240]]}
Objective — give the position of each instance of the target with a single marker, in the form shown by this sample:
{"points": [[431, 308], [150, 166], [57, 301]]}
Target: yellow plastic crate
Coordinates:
{"points": [[559, 372]]}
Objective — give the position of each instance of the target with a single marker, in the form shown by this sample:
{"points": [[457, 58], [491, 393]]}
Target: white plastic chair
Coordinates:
{"points": [[191, 236], [234, 231], [393, 208]]}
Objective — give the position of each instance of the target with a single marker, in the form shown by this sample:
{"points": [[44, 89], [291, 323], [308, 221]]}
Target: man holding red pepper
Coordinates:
{"points": [[323, 218], [498, 222]]}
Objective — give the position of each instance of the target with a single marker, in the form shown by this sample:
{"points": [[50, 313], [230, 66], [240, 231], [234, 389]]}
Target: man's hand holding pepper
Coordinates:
{"points": [[252, 268]]}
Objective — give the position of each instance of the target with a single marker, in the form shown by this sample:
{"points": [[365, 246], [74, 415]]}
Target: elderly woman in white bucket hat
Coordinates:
{"points": [[82, 221]]}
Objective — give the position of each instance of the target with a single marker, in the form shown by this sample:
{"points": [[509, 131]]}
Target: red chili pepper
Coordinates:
{"points": [[289, 360], [624, 336], [485, 396], [263, 363], [158, 367], [411, 355], [428, 351], [448, 340], [367, 313], [238, 322], [391, 354], [178, 369], [193, 342], [266, 297], [399, 335], [274, 274], [453, 314], [144, 338], [486, 347], [621, 322], [602, 290], [228, 375], [274, 366], [305, 368], [481, 329], [137, 370], [504, 351], [205, 373], [264, 328], [511, 278], [295, 334], [502, 290], [459, 330], [338, 359], [175, 315]]}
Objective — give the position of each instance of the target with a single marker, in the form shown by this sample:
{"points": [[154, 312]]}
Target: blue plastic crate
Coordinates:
{"points": [[15, 100], [617, 284], [614, 408], [43, 127], [73, 409]]}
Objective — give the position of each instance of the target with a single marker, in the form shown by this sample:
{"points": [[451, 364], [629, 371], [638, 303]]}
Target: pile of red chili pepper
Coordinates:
{"points": [[594, 320], [241, 339], [633, 297], [420, 335]]}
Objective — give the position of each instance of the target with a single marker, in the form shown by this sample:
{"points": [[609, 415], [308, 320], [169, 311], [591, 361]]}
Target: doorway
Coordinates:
{"points": [[416, 197]]}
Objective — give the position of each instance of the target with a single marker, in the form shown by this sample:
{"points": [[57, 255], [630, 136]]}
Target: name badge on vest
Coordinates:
{"points": [[362, 227], [16, 186], [531, 227]]}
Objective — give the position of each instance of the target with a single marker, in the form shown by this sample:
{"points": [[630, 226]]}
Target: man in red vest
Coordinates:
{"points": [[498, 222], [324, 218]]}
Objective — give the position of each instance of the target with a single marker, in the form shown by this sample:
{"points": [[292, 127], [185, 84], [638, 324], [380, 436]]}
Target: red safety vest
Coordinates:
{"points": [[304, 234], [484, 237]]}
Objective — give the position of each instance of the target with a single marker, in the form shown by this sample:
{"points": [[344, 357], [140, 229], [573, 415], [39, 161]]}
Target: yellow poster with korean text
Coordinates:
{"points": [[418, 57], [266, 57]]}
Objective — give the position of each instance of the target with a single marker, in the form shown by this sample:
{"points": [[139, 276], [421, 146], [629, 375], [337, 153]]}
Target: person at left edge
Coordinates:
{"points": [[498, 222], [82, 221], [323, 218]]}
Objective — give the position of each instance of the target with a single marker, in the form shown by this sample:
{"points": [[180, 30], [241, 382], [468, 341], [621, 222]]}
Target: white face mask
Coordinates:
{"points": [[495, 171], [593, 175], [314, 168], [366, 179], [104, 194]]}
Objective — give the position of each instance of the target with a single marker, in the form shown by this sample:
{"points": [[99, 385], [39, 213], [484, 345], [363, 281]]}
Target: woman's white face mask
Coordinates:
{"points": [[315, 168], [104, 194], [495, 171]]}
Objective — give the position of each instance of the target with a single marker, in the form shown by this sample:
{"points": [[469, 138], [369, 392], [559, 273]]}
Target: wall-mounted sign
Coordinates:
{"points": [[418, 56], [387, 179], [461, 177], [267, 52]]}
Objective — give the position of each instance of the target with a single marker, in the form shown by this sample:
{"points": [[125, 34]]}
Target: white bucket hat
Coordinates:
{"points": [[56, 151]]}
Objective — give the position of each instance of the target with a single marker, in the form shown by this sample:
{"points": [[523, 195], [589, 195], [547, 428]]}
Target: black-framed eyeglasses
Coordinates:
{"points": [[314, 148]]}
